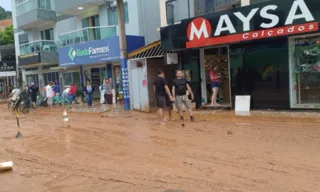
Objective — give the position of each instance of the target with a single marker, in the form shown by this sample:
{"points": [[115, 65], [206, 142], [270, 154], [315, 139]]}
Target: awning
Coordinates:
{"points": [[152, 50]]}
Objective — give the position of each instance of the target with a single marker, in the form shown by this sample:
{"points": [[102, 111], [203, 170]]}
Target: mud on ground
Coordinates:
{"points": [[135, 154]]}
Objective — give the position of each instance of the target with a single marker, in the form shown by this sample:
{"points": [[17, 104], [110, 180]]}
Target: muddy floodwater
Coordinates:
{"points": [[134, 154]]}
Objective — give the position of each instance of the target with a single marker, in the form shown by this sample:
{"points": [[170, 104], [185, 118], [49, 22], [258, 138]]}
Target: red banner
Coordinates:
{"points": [[252, 35]]}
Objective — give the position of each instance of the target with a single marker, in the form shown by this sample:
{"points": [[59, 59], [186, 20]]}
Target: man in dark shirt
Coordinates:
{"points": [[160, 87], [179, 87], [33, 91]]}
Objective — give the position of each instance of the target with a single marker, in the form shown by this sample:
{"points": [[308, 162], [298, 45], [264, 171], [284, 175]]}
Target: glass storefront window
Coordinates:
{"points": [[50, 77], [260, 68], [32, 79], [70, 77], [305, 71], [117, 82], [219, 57]]}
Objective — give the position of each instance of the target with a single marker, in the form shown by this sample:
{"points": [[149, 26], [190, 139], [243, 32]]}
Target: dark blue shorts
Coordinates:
{"points": [[215, 84]]}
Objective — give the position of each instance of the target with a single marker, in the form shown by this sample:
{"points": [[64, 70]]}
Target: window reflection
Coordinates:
{"points": [[305, 71], [260, 69]]}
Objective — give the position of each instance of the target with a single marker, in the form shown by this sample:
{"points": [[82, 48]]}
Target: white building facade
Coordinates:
{"points": [[50, 34]]}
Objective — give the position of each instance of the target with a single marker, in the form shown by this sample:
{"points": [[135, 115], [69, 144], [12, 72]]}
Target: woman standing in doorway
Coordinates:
{"points": [[109, 94], [88, 92], [215, 84]]}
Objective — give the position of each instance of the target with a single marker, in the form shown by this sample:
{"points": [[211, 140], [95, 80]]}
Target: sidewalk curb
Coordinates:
{"points": [[269, 118], [215, 116], [260, 117]]}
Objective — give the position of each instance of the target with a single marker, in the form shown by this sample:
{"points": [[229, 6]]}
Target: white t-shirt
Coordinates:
{"points": [[49, 91], [15, 94], [66, 91]]}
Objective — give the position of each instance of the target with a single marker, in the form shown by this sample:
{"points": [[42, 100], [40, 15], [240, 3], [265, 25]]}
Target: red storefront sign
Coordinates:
{"points": [[200, 34]]}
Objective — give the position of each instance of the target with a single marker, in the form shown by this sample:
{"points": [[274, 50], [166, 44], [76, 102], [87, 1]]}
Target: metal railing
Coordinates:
{"points": [[38, 46], [87, 34], [29, 5]]}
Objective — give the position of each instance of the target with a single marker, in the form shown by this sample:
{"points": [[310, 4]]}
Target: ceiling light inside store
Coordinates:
{"points": [[80, 8]]}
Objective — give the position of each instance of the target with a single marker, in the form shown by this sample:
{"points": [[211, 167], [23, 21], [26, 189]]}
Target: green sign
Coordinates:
{"points": [[73, 53]]}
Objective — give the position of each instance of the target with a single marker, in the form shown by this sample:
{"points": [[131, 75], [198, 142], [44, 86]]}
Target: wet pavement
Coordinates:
{"points": [[130, 152]]}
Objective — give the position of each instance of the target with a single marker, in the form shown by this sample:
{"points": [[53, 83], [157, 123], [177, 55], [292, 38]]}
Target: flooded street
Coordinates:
{"points": [[135, 154]]}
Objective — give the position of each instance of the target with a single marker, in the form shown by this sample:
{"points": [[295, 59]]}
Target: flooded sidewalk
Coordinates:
{"points": [[208, 114], [133, 153]]}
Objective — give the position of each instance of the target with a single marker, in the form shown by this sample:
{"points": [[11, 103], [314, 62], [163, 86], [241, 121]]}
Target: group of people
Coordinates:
{"points": [[16, 95], [88, 91], [178, 94], [166, 98], [53, 94]]}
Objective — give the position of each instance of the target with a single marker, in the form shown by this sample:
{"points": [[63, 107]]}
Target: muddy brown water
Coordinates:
{"points": [[135, 154]]}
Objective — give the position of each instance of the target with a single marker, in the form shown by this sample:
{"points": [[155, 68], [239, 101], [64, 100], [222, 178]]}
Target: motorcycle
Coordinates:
{"points": [[20, 105], [24, 105], [11, 105]]}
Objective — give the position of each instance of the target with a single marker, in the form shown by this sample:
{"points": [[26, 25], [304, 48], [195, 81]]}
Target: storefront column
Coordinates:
{"points": [[109, 70], [123, 55], [125, 83], [40, 76], [81, 77], [163, 13], [24, 77], [204, 98]]}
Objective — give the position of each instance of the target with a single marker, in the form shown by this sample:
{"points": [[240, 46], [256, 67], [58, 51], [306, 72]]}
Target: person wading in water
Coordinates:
{"points": [[88, 92]]}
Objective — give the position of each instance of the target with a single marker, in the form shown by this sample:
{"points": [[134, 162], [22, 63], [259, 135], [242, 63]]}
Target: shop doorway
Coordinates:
{"points": [[305, 71], [50, 77], [71, 77], [6, 86], [117, 82], [218, 56], [33, 78]]}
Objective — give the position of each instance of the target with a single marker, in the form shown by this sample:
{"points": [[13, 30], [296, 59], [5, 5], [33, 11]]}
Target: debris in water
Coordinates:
{"points": [[182, 124], [5, 166], [230, 132]]}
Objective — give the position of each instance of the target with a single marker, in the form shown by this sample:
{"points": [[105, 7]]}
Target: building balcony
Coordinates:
{"points": [[227, 5], [77, 7], [177, 10], [87, 34], [37, 52], [35, 13]]}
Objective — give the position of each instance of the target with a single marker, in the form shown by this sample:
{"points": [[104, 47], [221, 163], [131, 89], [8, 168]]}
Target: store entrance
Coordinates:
{"points": [[305, 71], [219, 57]]}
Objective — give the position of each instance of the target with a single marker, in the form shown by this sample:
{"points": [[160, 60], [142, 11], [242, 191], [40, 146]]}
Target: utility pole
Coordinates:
{"points": [[123, 55]]}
